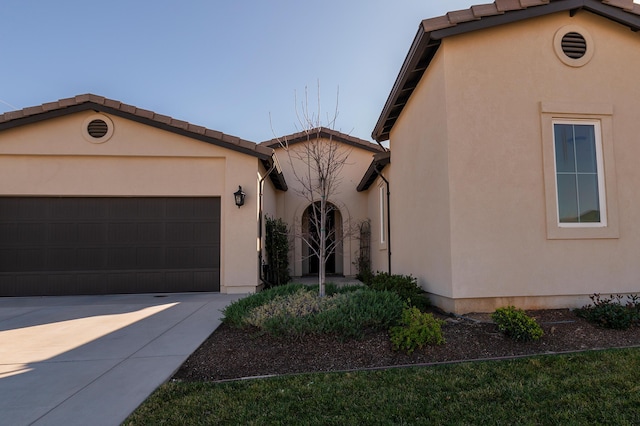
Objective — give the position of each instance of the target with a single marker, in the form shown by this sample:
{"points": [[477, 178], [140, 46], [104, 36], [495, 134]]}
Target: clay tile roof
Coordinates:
{"points": [[506, 5], [92, 102], [323, 132], [465, 15], [432, 31], [482, 10]]}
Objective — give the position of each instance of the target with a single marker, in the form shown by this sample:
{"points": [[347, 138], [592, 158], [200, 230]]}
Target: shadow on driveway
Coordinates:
{"points": [[80, 360]]}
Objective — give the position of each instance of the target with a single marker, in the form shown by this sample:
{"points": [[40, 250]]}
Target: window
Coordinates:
{"points": [[382, 215], [580, 194], [580, 188]]}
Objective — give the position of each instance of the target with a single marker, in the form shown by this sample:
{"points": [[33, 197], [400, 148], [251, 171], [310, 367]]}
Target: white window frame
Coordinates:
{"points": [[580, 112], [383, 239], [602, 199]]}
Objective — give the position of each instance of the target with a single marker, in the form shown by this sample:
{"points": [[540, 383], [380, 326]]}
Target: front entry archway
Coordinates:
{"points": [[311, 262]]}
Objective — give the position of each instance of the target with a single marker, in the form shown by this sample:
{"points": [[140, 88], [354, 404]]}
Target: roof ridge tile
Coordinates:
{"points": [[532, 3], [463, 15], [488, 9], [113, 104], [145, 113], [437, 23], [67, 102], [181, 124], [507, 5], [197, 129]]}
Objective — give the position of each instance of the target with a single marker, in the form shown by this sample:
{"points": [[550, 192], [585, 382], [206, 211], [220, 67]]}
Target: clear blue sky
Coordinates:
{"points": [[223, 64]]}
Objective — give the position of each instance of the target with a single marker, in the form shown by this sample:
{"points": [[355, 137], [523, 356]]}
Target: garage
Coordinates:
{"points": [[106, 245]]}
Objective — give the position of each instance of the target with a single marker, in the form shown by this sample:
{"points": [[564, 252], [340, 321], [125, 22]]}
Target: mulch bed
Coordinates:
{"points": [[231, 353]]}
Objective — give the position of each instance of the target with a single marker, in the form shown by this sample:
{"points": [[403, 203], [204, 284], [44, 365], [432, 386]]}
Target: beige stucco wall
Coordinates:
{"points": [[379, 252], [53, 158], [352, 205], [419, 178], [475, 120], [269, 208]]}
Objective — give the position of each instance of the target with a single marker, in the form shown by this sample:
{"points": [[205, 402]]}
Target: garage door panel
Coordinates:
{"points": [[151, 232], [203, 256], [31, 233], [180, 231], [63, 232], [93, 233], [176, 256], [108, 245], [121, 257], [123, 209], [61, 259], [91, 258], [151, 208], [123, 232], [150, 257], [207, 232], [201, 279], [27, 259]]}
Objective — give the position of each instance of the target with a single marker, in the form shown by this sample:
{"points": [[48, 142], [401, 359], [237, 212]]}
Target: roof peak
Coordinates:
{"points": [[100, 103], [431, 32], [323, 132]]}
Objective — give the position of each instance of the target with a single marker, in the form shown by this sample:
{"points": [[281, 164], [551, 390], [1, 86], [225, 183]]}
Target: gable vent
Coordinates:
{"points": [[574, 45], [97, 128]]}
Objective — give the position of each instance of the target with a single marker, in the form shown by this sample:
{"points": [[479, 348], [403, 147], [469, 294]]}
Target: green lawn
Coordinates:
{"points": [[587, 388]]}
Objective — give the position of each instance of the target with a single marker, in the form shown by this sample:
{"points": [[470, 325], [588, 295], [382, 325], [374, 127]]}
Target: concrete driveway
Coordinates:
{"points": [[91, 360]]}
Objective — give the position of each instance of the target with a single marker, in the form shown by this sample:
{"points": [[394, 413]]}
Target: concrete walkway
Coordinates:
{"points": [[91, 360]]}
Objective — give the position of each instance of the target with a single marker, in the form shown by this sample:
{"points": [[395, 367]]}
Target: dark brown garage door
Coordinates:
{"points": [[70, 245]]}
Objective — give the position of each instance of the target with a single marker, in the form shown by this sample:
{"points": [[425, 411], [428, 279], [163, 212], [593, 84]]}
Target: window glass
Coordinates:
{"points": [[577, 183]]}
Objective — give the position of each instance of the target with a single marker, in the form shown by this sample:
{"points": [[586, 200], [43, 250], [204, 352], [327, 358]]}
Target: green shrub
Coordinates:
{"points": [[416, 330], [276, 245], [332, 288], [236, 312], [405, 286], [357, 312], [365, 275], [347, 313], [297, 305], [516, 324], [611, 312]]}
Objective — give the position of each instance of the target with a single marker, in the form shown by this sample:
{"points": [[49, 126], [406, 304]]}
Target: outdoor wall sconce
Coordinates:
{"points": [[239, 196]]}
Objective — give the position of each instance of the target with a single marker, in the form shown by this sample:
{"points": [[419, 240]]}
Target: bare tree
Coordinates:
{"points": [[316, 165]]}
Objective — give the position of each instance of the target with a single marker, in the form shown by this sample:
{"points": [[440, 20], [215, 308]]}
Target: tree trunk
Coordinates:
{"points": [[323, 246]]}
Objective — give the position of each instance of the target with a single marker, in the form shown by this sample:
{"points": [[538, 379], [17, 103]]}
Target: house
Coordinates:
{"points": [[97, 196], [349, 208], [515, 138], [514, 132]]}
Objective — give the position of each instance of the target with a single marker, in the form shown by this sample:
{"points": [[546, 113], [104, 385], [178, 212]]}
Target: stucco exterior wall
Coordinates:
{"points": [[379, 253], [493, 85], [53, 158], [351, 204], [419, 178], [269, 208]]}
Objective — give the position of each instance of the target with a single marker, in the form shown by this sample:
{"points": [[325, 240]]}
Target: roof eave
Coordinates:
{"points": [[378, 163], [422, 50], [426, 44], [78, 104]]}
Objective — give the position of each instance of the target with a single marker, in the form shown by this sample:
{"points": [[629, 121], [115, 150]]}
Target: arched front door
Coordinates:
{"points": [[311, 262]]}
